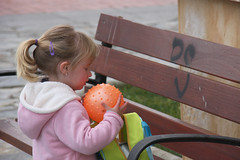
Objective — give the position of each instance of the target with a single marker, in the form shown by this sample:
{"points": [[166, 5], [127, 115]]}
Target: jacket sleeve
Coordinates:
{"points": [[72, 126]]}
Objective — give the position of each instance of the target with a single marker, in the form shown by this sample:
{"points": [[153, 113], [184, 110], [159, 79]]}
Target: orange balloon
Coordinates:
{"points": [[96, 95]]}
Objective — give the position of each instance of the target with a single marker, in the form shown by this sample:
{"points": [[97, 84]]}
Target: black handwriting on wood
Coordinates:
{"points": [[177, 43], [190, 52], [188, 57], [181, 92]]}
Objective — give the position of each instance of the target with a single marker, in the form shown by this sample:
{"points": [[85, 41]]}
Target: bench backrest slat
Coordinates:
{"points": [[202, 55], [202, 93]]}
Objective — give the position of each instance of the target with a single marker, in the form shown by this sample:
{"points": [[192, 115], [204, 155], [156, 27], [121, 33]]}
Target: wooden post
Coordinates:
{"points": [[217, 21]]}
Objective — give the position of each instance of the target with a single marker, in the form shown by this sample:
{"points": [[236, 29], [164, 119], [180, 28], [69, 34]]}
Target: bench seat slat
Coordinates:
{"points": [[201, 55], [202, 93], [11, 133], [161, 123]]}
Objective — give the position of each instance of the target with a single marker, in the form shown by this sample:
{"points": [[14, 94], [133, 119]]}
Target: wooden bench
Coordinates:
{"points": [[121, 39], [156, 69]]}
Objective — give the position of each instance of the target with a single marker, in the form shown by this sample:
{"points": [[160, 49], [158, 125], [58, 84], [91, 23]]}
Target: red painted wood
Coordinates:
{"points": [[208, 57], [182, 86], [202, 93], [11, 133]]}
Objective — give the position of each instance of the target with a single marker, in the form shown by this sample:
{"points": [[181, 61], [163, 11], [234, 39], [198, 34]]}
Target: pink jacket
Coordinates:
{"points": [[51, 114]]}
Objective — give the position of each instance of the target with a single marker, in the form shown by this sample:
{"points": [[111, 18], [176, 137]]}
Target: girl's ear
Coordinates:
{"points": [[64, 67]]}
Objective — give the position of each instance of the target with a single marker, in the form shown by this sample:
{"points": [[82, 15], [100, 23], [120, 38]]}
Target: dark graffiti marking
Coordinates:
{"points": [[177, 43], [181, 92], [188, 57], [189, 51]]}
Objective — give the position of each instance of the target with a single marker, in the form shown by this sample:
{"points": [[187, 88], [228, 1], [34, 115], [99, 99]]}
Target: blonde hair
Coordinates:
{"points": [[67, 45]]}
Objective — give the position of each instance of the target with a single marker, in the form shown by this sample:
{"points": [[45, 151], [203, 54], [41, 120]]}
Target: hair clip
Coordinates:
{"points": [[51, 49], [36, 42]]}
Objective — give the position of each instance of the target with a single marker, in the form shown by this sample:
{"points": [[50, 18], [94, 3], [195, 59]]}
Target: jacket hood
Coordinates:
{"points": [[46, 97], [39, 102]]}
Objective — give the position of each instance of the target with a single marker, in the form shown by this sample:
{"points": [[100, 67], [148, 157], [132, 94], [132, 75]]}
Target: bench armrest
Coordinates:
{"points": [[140, 146]]}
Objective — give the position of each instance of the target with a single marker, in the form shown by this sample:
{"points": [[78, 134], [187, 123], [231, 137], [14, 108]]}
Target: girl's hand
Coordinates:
{"points": [[82, 98], [119, 110]]}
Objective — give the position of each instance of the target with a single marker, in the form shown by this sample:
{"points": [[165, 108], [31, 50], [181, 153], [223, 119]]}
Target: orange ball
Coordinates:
{"points": [[96, 95]]}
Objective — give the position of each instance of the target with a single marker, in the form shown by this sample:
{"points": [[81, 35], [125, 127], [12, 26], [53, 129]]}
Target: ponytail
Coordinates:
{"points": [[26, 65], [60, 43]]}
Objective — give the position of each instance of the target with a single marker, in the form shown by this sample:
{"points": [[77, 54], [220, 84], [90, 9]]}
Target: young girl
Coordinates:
{"points": [[50, 112]]}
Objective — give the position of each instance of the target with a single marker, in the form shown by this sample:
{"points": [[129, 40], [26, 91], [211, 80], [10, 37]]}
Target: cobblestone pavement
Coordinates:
{"points": [[21, 20]]}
